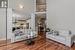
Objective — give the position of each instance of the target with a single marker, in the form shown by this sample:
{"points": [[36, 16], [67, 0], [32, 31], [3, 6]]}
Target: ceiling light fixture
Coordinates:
{"points": [[21, 6]]}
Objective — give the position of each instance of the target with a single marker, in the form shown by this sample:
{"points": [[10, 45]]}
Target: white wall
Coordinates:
{"points": [[9, 23], [2, 23], [61, 14]]}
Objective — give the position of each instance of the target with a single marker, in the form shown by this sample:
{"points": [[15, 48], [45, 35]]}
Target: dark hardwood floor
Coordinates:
{"points": [[40, 44]]}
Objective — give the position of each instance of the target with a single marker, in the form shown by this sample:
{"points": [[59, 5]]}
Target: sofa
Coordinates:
{"points": [[64, 36], [23, 34]]}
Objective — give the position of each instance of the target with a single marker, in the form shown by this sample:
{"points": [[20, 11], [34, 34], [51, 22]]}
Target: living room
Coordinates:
{"points": [[37, 25]]}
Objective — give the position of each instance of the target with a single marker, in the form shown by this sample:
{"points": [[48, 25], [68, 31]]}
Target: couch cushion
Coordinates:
{"points": [[64, 32]]}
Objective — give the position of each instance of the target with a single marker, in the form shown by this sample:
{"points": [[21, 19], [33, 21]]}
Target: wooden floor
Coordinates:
{"points": [[40, 44], [3, 42]]}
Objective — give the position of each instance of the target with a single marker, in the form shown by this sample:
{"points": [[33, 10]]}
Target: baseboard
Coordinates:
{"points": [[3, 39]]}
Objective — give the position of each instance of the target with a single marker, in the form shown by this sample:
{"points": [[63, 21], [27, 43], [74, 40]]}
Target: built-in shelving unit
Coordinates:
{"points": [[40, 14], [41, 2]]}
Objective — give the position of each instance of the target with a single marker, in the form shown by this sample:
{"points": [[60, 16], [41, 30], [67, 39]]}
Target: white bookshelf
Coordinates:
{"points": [[40, 12]]}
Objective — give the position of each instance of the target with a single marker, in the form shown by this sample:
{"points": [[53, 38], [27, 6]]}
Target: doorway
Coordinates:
{"points": [[41, 17], [40, 24]]}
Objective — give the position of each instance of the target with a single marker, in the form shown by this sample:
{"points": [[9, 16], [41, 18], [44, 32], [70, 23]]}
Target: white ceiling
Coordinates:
{"points": [[26, 11]]}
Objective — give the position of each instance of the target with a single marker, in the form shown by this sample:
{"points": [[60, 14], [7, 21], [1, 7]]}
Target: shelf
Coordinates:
{"points": [[41, 2], [41, 15], [40, 12], [40, 8]]}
